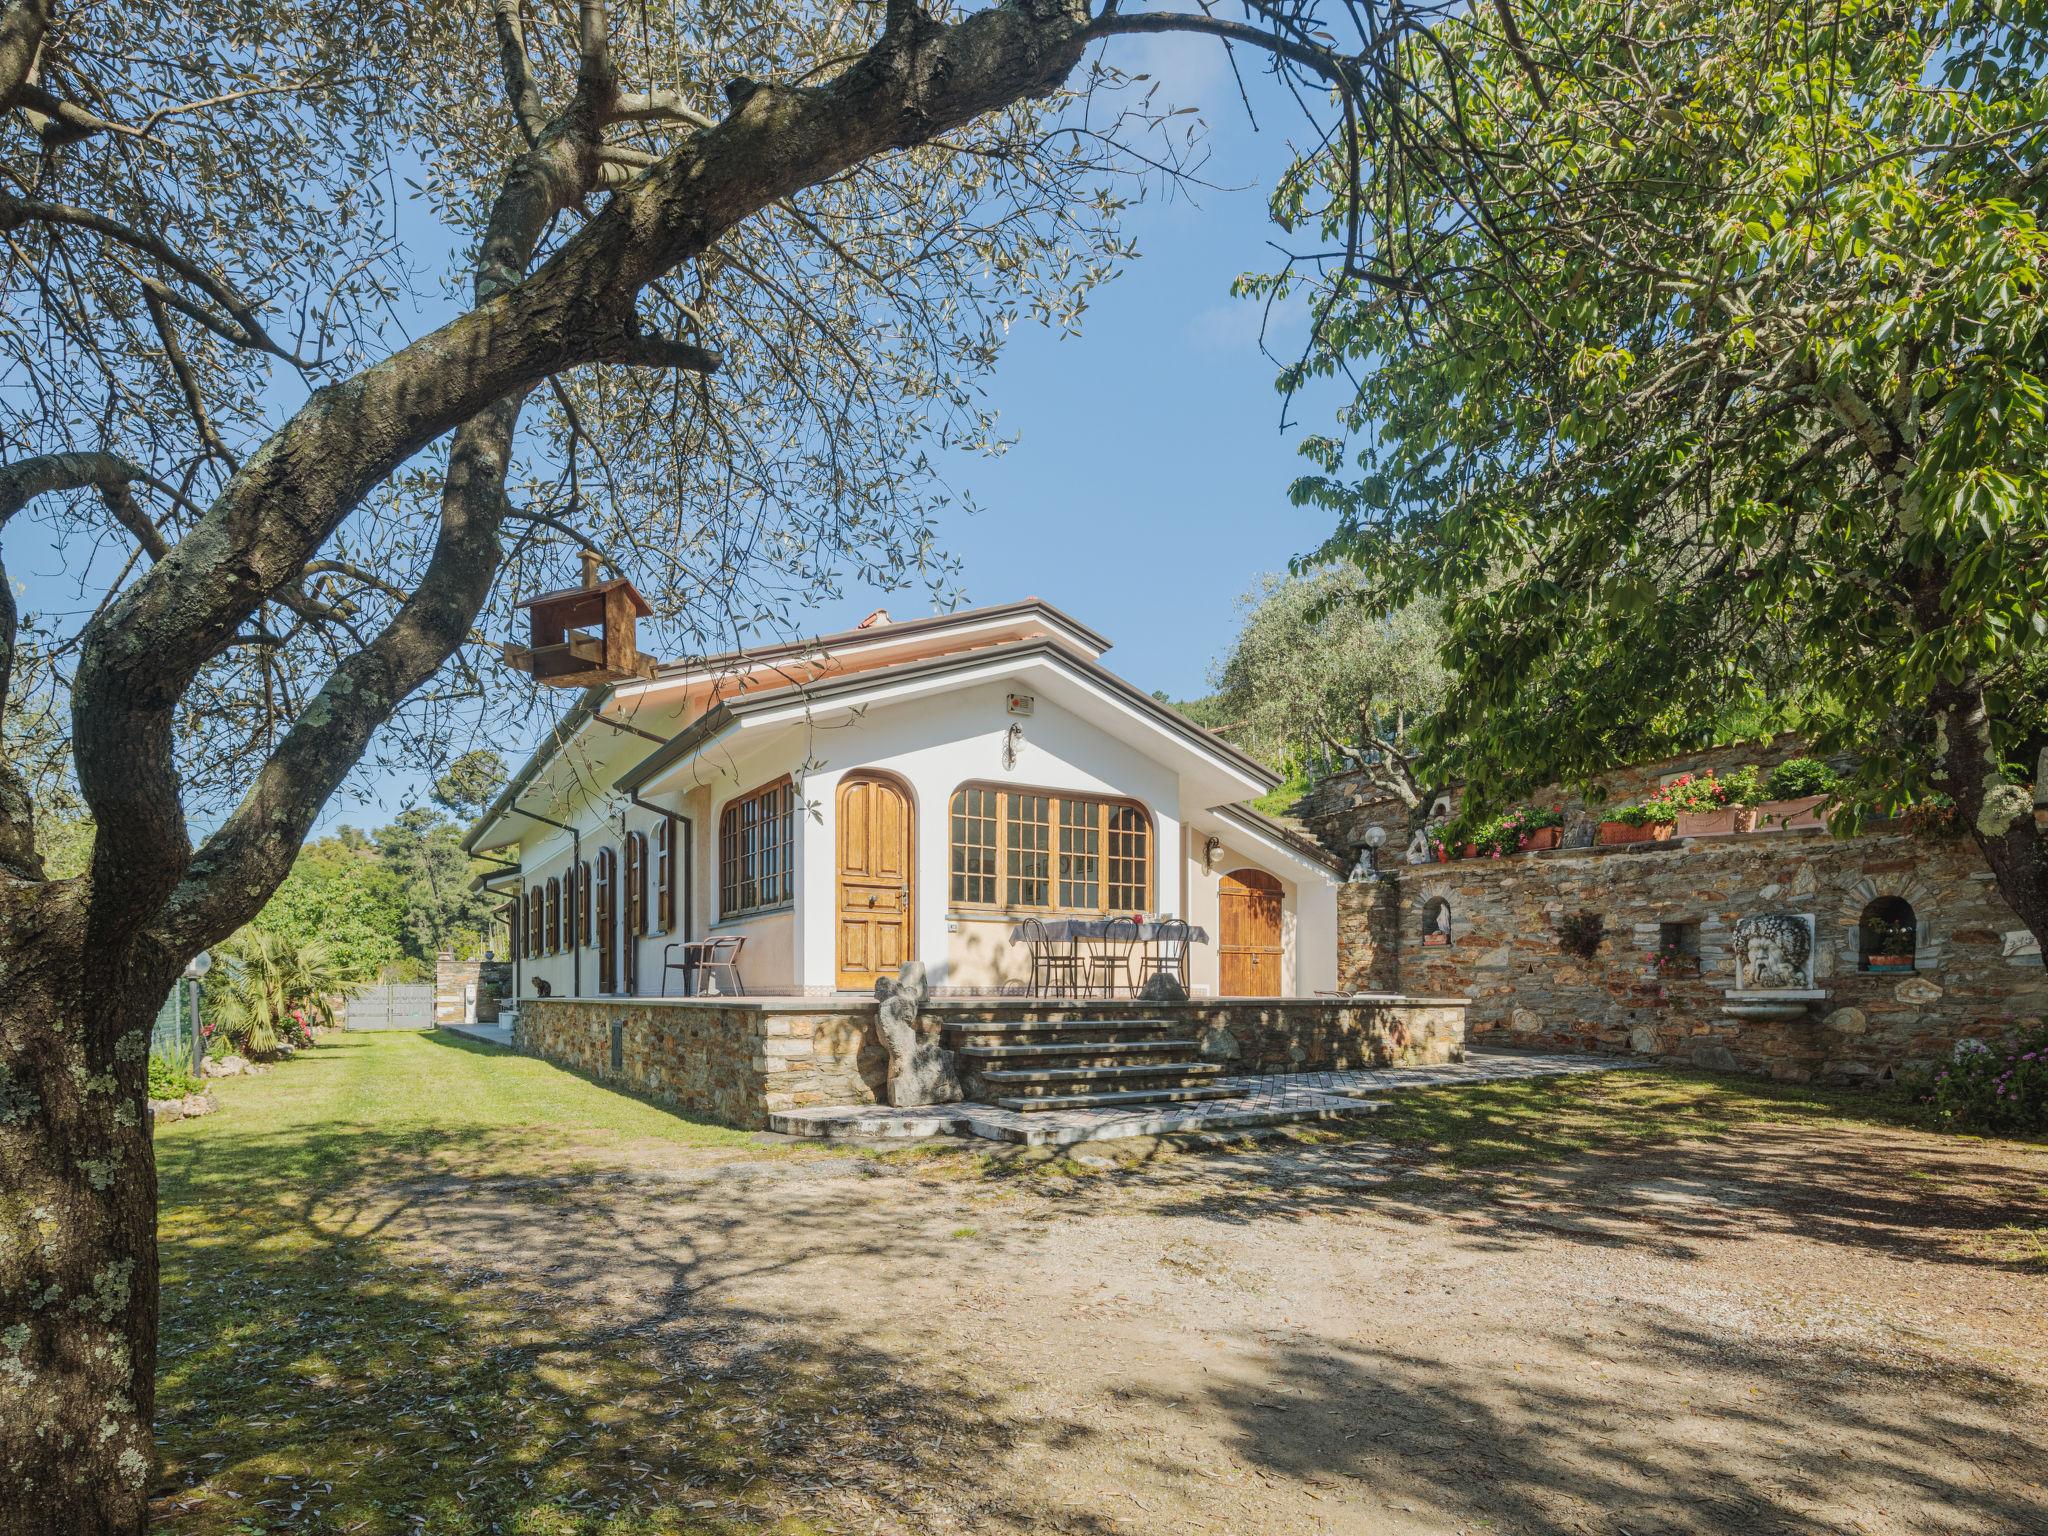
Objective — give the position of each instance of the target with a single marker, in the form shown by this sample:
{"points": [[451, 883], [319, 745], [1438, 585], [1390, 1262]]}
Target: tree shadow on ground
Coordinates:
{"points": [[1500, 1164], [1830, 1437], [548, 1364]]}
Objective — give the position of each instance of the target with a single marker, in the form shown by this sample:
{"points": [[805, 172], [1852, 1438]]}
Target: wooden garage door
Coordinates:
{"points": [[1248, 936]]}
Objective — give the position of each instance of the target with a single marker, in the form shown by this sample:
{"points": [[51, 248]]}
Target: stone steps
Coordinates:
{"points": [[1040, 1082], [1114, 1100], [1107, 1051], [1082, 1063]]}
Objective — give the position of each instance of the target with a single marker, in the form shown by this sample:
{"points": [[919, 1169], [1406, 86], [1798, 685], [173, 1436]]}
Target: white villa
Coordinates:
{"points": [[904, 790]]}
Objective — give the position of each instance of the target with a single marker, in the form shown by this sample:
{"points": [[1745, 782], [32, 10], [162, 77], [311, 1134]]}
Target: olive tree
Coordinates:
{"points": [[723, 273]]}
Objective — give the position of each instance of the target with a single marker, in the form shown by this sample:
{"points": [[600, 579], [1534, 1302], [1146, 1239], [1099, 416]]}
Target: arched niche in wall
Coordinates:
{"points": [[1436, 921], [1887, 935]]}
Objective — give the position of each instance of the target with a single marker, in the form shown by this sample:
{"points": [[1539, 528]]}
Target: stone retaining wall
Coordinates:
{"points": [[1977, 972], [738, 1062]]}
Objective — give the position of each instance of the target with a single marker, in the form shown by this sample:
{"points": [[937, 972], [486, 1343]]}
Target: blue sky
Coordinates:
{"points": [[1146, 488]]}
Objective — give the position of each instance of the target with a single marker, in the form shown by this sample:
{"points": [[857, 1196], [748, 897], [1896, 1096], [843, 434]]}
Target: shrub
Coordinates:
{"points": [[1798, 777], [1503, 834], [1986, 1089], [1648, 814], [168, 1080]]}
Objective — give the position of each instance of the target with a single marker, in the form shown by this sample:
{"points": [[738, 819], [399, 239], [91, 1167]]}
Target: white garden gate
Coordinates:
{"points": [[392, 1005]]}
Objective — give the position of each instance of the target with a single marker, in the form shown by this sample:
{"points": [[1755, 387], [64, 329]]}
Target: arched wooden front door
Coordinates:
{"points": [[877, 904], [1248, 937]]}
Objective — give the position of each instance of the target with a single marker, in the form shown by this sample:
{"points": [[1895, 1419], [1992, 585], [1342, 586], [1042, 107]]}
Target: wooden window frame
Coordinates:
{"points": [[536, 918], [1057, 823], [583, 929], [554, 914], [744, 846]]}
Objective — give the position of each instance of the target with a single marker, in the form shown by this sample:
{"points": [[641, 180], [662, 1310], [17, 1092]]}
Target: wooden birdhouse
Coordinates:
{"points": [[583, 636]]}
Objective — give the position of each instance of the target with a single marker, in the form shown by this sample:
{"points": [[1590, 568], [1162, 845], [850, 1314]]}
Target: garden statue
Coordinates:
{"points": [[920, 1071], [1774, 952], [1418, 847]]}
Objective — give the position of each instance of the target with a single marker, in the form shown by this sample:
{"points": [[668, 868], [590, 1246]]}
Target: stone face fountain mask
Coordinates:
{"points": [[1775, 949]]}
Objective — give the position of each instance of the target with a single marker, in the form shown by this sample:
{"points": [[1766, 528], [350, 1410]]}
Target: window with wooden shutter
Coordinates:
{"points": [[665, 875], [554, 915], [583, 903], [1028, 850], [757, 850], [606, 919]]}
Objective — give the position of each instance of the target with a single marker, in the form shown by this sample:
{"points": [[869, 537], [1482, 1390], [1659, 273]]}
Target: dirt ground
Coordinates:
{"points": [[1778, 1329]]}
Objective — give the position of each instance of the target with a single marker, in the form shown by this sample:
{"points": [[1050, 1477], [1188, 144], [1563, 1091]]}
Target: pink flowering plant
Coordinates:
{"points": [[1999, 1090]]}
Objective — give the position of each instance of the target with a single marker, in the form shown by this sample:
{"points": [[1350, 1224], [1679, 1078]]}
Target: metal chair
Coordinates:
{"points": [[715, 960], [1110, 955], [1055, 972], [1166, 952]]}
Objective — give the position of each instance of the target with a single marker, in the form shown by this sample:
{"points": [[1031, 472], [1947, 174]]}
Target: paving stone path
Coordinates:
{"points": [[1274, 1099]]}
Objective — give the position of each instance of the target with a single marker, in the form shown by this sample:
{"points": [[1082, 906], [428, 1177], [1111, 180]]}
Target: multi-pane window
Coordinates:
{"points": [[1034, 851], [974, 846], [757, 850]]}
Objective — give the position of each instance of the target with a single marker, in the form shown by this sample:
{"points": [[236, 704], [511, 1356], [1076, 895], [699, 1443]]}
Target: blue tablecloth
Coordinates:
{"points": [[1064, 928]]}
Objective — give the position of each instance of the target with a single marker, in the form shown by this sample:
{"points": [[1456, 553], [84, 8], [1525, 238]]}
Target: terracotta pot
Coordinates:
{"points": [[1469, 851], [1798, 815], [1541, 838], [1435, 940], [1725, 822], [1890, 963], [1612, 832]]}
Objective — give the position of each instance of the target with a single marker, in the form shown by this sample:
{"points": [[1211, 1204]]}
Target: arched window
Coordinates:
{"points": [[554, 915], [665, 875], [636, 907], [606, 915], [1887, 935], [583, 903], [1036, 851]]}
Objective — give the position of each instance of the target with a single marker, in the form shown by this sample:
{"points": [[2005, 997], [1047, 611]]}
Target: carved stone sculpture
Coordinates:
{"points": [[920, 1071], [1775, 951], [1418, 847]]}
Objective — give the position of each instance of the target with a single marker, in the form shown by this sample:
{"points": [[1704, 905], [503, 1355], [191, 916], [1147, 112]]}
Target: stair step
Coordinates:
{"points": [[1071, 1048], [1004, 1078], [1048, 1026], [1119, 1100]]}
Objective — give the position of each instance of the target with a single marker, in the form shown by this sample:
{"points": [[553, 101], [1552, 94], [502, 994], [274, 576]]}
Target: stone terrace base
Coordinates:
{"points": [[1276, 1099], [742, 1060]]}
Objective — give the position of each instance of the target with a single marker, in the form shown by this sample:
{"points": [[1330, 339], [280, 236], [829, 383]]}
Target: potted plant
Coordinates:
{"points": [[1707, 805], [1650, 822], [1888, 944], [1673, 959], [1539, 829], [1796, 791]]}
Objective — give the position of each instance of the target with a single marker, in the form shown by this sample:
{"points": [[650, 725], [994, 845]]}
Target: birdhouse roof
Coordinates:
{"points": [[641, 607]]}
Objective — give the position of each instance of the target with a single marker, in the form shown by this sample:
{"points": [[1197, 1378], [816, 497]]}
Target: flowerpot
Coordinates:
{"points": [[1612, 832], [1725, 822], [1889, 963], [1435, 940], [1541, 838], [1803, 814], [1469, 851]]}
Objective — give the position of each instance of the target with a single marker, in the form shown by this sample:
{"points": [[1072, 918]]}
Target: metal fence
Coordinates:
{"points": [[175, 1036], [392, 1005]]}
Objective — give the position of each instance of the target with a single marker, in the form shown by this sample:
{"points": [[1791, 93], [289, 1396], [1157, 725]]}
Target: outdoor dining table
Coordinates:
{"points": [[1098, 928], [1057, 930]]}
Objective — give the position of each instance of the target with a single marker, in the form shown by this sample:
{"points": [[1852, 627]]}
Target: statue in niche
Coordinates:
{"points": [[1775, 951]]}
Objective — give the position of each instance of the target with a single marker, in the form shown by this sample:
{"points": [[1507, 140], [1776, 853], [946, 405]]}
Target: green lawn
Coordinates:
{"points": [[311, 1380]]}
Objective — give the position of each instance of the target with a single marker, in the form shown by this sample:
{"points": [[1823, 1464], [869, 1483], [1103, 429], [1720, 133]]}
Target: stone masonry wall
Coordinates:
{"points": [[1340, 808], [740, 1062], [1977, 972]]}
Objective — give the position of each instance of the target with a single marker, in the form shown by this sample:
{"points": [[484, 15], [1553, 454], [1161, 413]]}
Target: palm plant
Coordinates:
{"points": [[268, 977]]}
